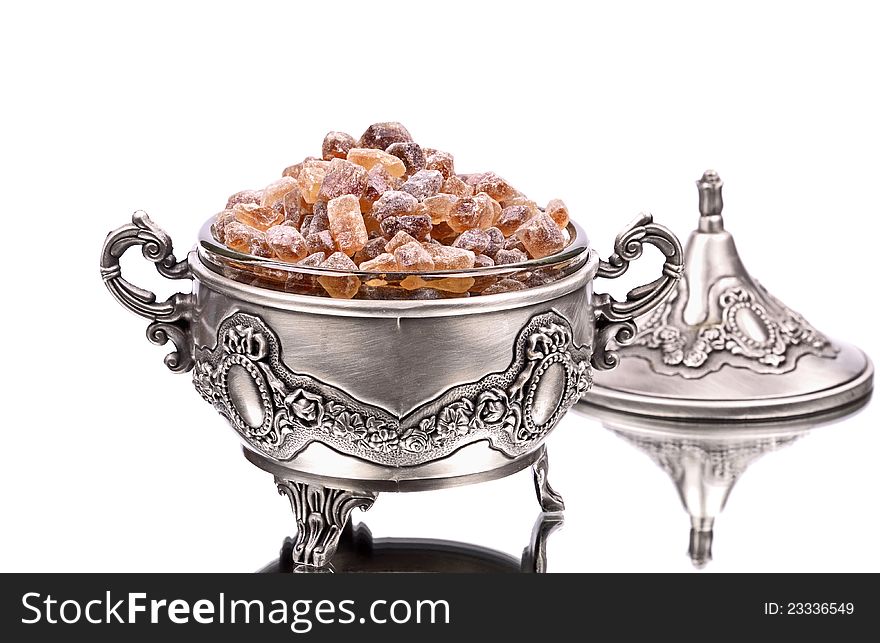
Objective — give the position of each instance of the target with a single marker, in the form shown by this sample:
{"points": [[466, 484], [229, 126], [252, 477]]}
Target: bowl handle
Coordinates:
{"points": [[615, 320], [171, 318]]}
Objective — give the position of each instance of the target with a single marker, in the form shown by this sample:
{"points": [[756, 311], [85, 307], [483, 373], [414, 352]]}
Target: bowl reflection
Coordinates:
{"points": [[360, 552]]}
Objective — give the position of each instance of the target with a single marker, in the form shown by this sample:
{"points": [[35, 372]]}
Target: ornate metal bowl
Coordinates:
{"points": [[341, 399]]}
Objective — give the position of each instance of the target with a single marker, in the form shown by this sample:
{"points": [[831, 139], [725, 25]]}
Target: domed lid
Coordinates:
{"points": [[722, 347]]}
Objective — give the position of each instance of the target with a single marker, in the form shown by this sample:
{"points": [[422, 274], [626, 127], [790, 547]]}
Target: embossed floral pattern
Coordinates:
{"points": [[415, 440], [243, 340], [304, 409], [203, 380], [492, 406], [349, 425], [768, 346], [455, 419]]}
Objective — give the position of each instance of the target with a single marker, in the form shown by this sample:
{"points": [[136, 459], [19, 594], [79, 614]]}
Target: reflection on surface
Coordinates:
{"points": [[705, 460], [704, 470], [359, 552]]}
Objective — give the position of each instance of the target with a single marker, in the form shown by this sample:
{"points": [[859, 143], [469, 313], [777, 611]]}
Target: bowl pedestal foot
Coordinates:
{"points": [[550, 500], [321, 516]]}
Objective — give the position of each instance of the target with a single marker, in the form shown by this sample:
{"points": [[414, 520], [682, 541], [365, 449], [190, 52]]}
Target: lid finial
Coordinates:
{"points": [[711, 202]]}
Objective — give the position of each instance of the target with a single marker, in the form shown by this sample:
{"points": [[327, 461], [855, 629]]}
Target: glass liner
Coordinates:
{"points": [[437, 284]]}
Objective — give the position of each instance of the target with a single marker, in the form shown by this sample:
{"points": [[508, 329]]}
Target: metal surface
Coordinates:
{"points": [[550, 500], [615, 320], [358, 551], [322, 465], [279, 412], [722, 347], [704, 461], [321, 514], [321, 505], [340, 399], [392, 383], [171, 319], [224, 287]]}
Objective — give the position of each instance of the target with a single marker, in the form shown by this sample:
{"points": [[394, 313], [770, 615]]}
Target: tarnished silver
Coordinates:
{"points": [[705, 460], [721, 346], [379, 395]]}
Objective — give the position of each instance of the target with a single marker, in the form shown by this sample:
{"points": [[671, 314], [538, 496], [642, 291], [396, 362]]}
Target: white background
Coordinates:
{"points": [[111, 463]]}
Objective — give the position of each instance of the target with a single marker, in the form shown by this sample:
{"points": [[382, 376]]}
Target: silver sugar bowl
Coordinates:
{"points": [[341, 399]]}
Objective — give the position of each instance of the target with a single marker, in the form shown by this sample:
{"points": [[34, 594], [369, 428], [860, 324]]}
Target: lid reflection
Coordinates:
{"points": [[704, 460]]}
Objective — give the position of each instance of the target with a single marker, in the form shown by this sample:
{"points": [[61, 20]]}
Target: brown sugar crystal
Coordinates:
{"points": [[342, 177], [416, 225], [400, 239], [218, 227], [438, 206], [310, 179], [257, 216], [443, 162], [450, 258], [379, 181], [488, 208], [455, 186], [344, 287], [321, 242], [443, 233], [372, 249], [319, 221], [336, 145], [394, 204], [557, 211], [512, 217], [381, 135], [495, 187], [504, 285], [346, 224], [295, 169], [245, 196], [295, 208], [475, 240], [423, 184], [367, 158], [274, 193], [412, 257], [483, 261], [514, 255], [239, 236], [411, 154], [464, 215], [496, 241], [541, 236], [287, 243], [385, 262]]}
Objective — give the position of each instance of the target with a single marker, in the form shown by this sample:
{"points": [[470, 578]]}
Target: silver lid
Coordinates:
{"points": [[722, 347]]}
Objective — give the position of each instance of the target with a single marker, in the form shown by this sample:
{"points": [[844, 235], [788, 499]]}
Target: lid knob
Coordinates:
{"points": [[711, 202], [700, 548]]}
